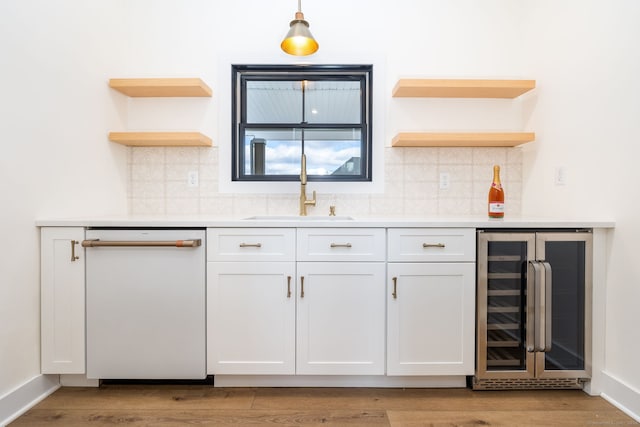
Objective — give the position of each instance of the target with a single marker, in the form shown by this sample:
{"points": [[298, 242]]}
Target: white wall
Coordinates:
{"points": [[55, 159], [584, 56]]}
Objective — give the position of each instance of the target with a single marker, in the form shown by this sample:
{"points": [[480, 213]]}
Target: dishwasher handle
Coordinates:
{"points": [[94, 243]]}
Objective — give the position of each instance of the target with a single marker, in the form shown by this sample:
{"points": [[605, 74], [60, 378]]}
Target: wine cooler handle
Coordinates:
{"points": [[539, 326], [548, 297], [530, 343], [540, 313]]}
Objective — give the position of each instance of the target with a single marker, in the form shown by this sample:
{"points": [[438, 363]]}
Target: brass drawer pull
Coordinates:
{"points": [[250, 245], [433, 245], [288, 286], [394, 294], [74, 257], [301, 286], [341, 245]]}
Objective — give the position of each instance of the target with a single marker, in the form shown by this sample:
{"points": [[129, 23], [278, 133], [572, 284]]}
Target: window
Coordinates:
{"points": [[281, 112]]}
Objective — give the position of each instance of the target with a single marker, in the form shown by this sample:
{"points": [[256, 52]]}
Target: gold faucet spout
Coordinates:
{"points": [[304, 202], [303, 170]]}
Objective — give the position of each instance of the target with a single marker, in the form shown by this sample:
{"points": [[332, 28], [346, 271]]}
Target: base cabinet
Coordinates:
{"points": [[431, 301], [340, 321], [270, 315], [62, 301], [431, 324], [252, 311], [251, 302]]}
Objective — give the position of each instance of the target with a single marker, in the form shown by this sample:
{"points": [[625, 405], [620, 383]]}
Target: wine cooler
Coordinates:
{"points": [[533, 309]]}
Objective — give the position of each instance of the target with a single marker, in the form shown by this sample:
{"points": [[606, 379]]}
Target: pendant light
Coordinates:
{"points": [[299, 41]]}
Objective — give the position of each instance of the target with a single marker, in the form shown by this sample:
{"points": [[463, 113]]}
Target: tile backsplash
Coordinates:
{"points": [[158, 185]]}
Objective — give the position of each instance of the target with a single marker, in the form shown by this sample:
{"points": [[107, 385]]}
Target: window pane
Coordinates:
{"points": [[332, 102], [272, 152], [274, 102], [332, 152]]}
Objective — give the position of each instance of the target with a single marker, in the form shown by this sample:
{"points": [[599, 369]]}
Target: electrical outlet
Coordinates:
{"points": [[560, 175], [445, 181], [192, 179]]}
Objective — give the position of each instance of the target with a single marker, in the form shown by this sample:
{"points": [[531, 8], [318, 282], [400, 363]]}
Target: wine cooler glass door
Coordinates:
{"points": [[504, 309], [569, 257]]}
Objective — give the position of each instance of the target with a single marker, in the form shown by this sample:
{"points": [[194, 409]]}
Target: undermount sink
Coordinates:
{"points": [[298, 218]]}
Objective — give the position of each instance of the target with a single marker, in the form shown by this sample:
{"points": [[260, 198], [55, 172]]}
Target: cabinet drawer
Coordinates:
{"points": [[431, 244], [340, 244], [251, 244]]}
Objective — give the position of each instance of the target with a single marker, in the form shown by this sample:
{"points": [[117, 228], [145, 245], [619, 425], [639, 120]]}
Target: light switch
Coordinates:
{"points": [[192, 179], [560, 175], [445, 180]]}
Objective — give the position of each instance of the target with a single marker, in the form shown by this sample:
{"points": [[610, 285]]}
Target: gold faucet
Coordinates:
{"points": [[303, 188]]}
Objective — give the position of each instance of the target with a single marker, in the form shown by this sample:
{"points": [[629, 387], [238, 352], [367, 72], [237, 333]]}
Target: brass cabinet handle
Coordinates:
{"points": [[73, 250], [250, 245], [288, 286], [301, 286], [394, 294], [433, 245], [341, 245]]}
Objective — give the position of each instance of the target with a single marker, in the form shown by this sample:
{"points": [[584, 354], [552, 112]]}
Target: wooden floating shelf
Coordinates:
{"points": [[172, 87], [161, 139], [462, 139], [455, 88]]}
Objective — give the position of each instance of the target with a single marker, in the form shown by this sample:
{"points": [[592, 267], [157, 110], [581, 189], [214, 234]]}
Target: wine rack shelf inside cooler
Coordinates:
{"points": [[501, 357], [502, 305], [501, 339], [505, 312]]}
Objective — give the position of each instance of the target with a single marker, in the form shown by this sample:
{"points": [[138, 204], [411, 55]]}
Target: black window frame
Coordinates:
{"points": [[243, 73]]}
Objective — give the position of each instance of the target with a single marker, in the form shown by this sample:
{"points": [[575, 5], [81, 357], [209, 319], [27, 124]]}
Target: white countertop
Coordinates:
{"points": [[316, 221]]}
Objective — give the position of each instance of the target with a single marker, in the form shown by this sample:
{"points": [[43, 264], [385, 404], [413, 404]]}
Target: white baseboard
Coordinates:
{"points": [[338, 381], [621, 395], [20, 400]]}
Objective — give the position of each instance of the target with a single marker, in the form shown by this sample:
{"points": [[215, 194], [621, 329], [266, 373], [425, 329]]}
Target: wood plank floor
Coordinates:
{"points": [[172, 405]]}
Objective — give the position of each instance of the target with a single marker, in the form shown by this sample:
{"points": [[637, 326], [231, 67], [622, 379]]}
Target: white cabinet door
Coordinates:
{"points": [[341, 318], [431, 318], [62, 301], [251, 318]]}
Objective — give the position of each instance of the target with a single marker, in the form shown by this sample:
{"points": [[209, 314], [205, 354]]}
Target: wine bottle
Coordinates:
{"points": [[496, 195]]}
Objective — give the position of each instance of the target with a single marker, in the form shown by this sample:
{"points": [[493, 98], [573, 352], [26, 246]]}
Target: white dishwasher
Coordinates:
{"points": [[145, 291]]}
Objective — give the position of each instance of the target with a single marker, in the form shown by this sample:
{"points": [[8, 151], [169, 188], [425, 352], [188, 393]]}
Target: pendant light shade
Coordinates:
{"points": [[299, 41]]}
